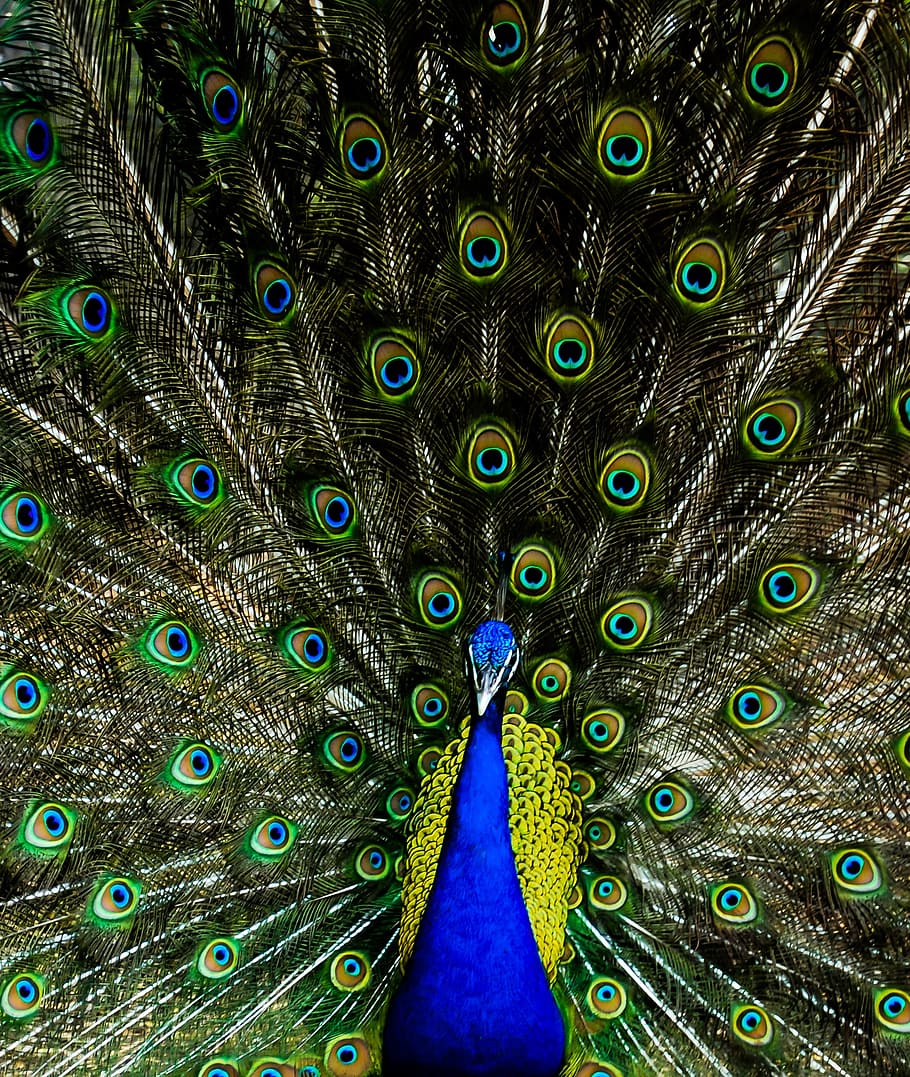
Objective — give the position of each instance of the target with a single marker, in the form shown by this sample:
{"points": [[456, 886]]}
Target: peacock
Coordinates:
{"points": [[454, 538]]}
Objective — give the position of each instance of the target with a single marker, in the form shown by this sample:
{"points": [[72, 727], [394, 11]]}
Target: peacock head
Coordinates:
{"points": [[491, 661]]}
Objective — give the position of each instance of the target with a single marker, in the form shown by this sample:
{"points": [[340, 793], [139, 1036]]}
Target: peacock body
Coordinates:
{"points": [[454, 534]]}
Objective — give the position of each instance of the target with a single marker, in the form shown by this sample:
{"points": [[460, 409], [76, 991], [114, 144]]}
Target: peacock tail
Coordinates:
{"points": [[454, 538]]}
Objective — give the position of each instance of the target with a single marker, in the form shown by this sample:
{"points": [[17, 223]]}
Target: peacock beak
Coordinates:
{"points": [[487, 682]]}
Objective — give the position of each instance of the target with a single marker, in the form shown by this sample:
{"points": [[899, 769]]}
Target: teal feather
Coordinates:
{"points": [[330, 331]]}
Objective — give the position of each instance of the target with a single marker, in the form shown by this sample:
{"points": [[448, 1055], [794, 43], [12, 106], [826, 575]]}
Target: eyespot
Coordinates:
{"points": [[197, 482], [344, 750], [171, 644], [115, 901], [89, 311], [856, 872], [307, 647], [194, 766], [428, 760], [348, 1056], [21, 996], [310, 1071], [569, 349], [334, 511], [701, 273], [275, 291], [272, 838], [363, 149], [669, 802], [396, 369], [504, 39], [223, 100], [607, 892], [625, 143], [429, 704], [491, 457], [770, 74], [272, 1067], [33, 138], [372, 863], [755, 706], [607, 998], [901, 408], [551, 680], [218, 959], [22, 697], [516, 702], [439, 600], [733, 903], [400, 803], [892, 1009], [752, 1025], [220, 1067], [350, 971], [48, 829], [784, 588], [599, 833], [23, 517], [771, 428], [533, 574], [597, 1069], [582, 784], [602, 729], [625, 480], [902, 751], [627, 624], [483, 247]]}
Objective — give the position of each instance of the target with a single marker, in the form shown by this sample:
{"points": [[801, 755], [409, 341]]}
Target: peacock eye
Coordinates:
{"points": [[307, 647], [429, 704], [115, 901], [350, 971], [349, 1056], [32, 137], [439, 600], [399, 804], [504, 39], [22, 697], [223, 100], [197, 482], [856, 872], [754, 706], [218, 959], [49, 828], [892, 1009], [363, 149], [771, 428], [733, 903], [752, 1025], [770, 74], [600, 833], [23, 517], [483, 247], [701, 272], [21, 996], [602, 729], [625, 144], [491, 457], [193, 767], [551, 680], [669, 802], [333, 510], [582, 784], [89, 311], [344, 750], [902, 411], [625, 480], [607, 998], [275, 291], [395, 367], [785, 588], [607, 893], [273, 1068], [171, 644], [219, 1067], [533, 573], [569, 349], [272, 838], [372, 863], [627, 624]]}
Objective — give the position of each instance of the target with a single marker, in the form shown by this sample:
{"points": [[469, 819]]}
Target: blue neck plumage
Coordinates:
{"points": [[475, 1000]]}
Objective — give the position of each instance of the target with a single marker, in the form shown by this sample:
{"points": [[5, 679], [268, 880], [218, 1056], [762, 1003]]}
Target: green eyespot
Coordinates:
{"points": [[701, 273]]}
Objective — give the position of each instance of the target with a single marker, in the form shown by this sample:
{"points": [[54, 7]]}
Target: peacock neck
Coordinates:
{"points": [[475, 1000]]}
